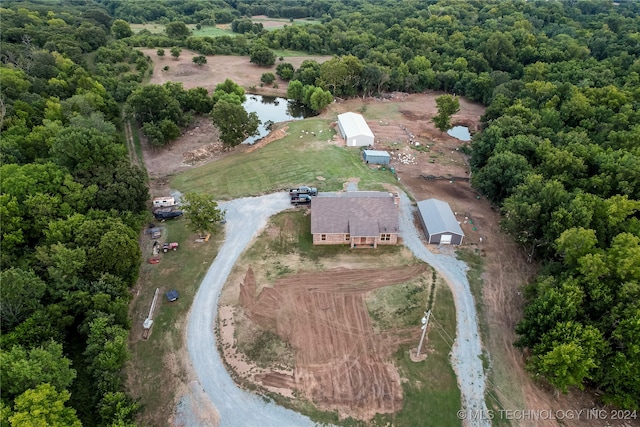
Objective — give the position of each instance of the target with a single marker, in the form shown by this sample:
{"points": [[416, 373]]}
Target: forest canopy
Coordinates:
{"points": [[558, 154]]}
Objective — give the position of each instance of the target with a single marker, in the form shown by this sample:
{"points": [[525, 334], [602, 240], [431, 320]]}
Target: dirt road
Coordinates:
{"points": [[236, 407]]}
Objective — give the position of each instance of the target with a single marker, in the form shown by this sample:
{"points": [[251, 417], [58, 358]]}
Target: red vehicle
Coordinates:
{"points": [[166, 247]]}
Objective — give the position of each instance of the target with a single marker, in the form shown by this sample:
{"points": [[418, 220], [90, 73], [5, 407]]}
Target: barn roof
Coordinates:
{"points": [[376, 153], [360, 213], [439, 217], [354, 124]]}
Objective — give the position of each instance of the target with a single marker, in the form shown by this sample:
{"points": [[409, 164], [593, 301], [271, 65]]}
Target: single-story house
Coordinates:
{"points": [[361, 219], [439, 222], [355, 130], [376, 157]]}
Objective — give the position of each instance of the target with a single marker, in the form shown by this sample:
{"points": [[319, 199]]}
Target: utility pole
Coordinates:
{"points": [[425, 323], [148, 322]]}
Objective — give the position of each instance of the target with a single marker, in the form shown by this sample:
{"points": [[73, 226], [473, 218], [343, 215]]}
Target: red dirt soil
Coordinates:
{"points": [[341, 362]]}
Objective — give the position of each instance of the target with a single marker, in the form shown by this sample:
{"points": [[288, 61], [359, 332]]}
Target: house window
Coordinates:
{"points": [[347, 237], [385, 237], [323, 237], [363, 240]]}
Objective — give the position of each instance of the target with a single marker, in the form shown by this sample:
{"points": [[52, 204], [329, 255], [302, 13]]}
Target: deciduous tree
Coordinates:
{"points": [[21, 295], [43, 406], [175, 52], [121, 29], [234, 123], [26, 369], [202, 212], [199, 59], [447, 106], [263, 56], [177, 30]]}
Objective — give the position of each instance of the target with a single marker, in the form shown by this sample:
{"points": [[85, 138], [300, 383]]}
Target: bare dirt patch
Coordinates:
{"points": [[341, 363], [217, 69]]}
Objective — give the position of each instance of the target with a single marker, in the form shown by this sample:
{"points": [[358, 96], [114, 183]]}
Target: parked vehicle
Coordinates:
{"points": [[166, 247], [312, 191], [163, 202], [167, 215], [301, 199]]}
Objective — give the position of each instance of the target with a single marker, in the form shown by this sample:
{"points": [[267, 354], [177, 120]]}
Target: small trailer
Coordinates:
{"points": [[163, 202]]}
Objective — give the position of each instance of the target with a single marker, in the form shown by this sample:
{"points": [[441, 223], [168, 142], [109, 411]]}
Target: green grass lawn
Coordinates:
{"points": [[213, 31], [284, 22], [299, 158], [210, 31], [151, 373]]}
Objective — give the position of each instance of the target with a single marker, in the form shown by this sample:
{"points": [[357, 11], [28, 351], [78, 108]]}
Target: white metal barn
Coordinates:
{"points": [[439, 222], [354, 130]]}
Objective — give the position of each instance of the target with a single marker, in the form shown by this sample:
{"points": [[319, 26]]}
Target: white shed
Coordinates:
{"points": [[354, 130]]}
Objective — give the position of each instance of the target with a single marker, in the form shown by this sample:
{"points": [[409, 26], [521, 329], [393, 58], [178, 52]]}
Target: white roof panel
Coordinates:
{"points": [[354, 124], [376, 153]]}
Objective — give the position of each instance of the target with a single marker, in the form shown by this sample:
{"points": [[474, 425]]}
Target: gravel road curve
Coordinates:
{"points": [[466, 351], [236, 407]]}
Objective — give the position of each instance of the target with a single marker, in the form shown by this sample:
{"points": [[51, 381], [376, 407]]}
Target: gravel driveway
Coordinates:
{"points": [[238, 408], [467, 349]]}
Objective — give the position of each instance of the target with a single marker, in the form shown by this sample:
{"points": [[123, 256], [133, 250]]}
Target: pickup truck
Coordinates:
{"points": [[167, 215], [301, 199], [311, 191]]}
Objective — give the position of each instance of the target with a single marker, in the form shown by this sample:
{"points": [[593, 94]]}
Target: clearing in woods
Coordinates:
{"points": [[397, 120]]}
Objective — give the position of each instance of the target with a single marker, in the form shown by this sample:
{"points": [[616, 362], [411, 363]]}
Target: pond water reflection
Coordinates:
{"points": [[273, 109], [460, 132]]}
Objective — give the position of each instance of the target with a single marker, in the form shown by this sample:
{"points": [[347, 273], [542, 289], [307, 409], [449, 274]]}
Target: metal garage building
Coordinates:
{"points": [[354, 130], [376, 157], [439, 222]]}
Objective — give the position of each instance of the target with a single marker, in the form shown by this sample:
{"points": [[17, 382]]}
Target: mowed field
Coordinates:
{"points": [[224, 29], [298, 158]]}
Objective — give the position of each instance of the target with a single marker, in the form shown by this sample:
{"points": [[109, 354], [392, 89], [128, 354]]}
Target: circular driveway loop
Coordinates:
{"points": [[238, 408]]}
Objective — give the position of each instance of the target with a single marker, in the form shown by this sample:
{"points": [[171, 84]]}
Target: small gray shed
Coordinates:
{"points": [[439, 222], [376, 157]]}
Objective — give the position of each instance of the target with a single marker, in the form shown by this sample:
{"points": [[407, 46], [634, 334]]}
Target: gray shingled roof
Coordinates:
{"points": [[439, 217], [359, 213]]}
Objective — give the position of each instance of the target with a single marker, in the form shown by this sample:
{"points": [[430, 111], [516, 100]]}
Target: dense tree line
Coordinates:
{"points": [[558, 153], [71, 208]]}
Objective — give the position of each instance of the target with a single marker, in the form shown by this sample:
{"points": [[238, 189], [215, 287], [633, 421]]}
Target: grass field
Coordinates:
{"points": [[273, 23], [223, 30], [153, 361], [296, 159], [431, 396]]}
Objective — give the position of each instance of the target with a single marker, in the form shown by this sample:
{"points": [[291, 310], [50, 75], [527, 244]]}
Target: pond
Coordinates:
{"points": [[272, 109], [460, 132]]}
